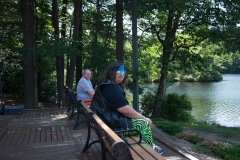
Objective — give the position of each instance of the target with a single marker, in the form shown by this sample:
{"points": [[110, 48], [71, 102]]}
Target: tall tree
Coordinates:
{"points": [[59, 58], [72, 64], [27, 9], [168, 21], [119, 30], [78, 23]]}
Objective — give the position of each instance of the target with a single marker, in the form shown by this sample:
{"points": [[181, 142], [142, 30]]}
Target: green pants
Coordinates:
{"points": [[145, 129]]}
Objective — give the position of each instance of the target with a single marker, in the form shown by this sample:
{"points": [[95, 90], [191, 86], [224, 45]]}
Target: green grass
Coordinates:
{"points": [[201, 126], [217, 129]]}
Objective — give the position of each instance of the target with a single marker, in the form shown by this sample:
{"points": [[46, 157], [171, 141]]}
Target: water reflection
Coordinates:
{"points": [[213, 102]]}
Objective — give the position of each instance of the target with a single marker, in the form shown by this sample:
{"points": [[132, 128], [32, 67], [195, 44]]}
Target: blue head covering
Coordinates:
{"points": [[121, 68]]}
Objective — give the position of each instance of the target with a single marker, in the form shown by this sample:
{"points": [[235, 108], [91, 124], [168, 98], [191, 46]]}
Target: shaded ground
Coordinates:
{"points": [[17, 101]]}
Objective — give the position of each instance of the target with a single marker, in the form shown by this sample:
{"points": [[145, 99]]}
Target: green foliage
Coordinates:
{"points": [[176, 108], [229, 153], [218, 148], [12, 71], [147, 103], [169, 127]]}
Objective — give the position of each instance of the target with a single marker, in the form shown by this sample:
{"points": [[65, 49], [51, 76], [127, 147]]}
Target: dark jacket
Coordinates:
{"points": [[114, 119]]}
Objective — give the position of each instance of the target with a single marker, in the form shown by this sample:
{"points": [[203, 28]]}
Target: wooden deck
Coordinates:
{"points": [[44, 134], [48, 134]]}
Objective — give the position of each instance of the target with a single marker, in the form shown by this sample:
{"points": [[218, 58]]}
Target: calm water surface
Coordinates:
{"points": [[213, 102]]}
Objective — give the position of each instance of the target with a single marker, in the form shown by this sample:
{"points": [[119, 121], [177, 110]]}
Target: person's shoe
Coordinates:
{"points": [[158, 149]]}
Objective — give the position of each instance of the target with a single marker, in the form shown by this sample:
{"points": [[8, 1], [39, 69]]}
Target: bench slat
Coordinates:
{"points": [[135, 155], [147, 148], [138, 149]]}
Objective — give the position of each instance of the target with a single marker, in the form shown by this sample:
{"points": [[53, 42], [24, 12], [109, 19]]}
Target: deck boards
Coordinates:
{"points": [[44, 134]]}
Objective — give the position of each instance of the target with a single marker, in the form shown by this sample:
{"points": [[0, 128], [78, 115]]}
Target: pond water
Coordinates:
{"points": [[213, 102]]}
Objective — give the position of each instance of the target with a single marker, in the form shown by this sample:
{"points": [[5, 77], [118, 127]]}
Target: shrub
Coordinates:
{"points": [[229, 153], [220, 149], [147, 103], [176, 108]]}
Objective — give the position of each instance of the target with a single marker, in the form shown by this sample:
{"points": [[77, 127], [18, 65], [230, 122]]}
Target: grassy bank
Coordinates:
{"points": [[216, 140]]}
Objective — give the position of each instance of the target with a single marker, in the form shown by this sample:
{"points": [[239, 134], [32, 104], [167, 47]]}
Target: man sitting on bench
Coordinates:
{"points": [[85, 89], [110, 104]]}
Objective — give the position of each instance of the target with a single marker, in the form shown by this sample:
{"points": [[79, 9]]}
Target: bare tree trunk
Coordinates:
{"points": [[59, 59], [72, 64], [119, 27], [80, 34], [27, 9]]}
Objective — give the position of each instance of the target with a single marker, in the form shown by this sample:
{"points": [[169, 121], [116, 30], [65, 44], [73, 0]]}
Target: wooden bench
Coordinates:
{"points": [[74, 107], [70, 101], [120, 147]]}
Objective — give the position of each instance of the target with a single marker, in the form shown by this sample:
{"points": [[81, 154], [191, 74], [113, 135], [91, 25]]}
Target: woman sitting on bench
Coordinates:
{"points": [[110, 104]]}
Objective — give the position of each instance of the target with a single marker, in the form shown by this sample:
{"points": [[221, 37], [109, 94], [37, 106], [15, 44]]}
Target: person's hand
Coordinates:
{"points": [[149, 121]]}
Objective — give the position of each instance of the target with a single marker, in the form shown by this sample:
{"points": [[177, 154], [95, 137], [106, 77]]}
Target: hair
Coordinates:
{"points": [[84, 71], [110, 74]]}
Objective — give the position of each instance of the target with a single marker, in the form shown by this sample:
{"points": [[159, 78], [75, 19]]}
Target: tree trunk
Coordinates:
{"points": [[72, 65], [59, 59], [167, 51], [27, 9], [161, 92], [119, 29], [80, 34], [64, 12]]}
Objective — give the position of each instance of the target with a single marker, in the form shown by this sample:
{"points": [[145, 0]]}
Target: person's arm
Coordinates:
{"points": [[91, 92], [131, 113]]}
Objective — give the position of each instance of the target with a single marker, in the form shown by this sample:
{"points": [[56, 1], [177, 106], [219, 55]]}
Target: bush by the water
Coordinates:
{"points": [[176, 107], [147, 103]]}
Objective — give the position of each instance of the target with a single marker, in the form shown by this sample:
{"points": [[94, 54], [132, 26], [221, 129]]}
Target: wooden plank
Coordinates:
{"points": [[11, 134], [27, 114], [89, 153], [141, 152], [38, 135], [43, 134], [64, 133], [69, 134], [32, 136], [4, 137], [41, 113], [37, 114], [45, 113], [21, 136], [96, 149], [16, 134], [2, 121], [27, 136], [48, 133], [135, 156], [147, 148], [59, 133], [54, 134], [18, 116], [5, 120], [2, 132]]}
